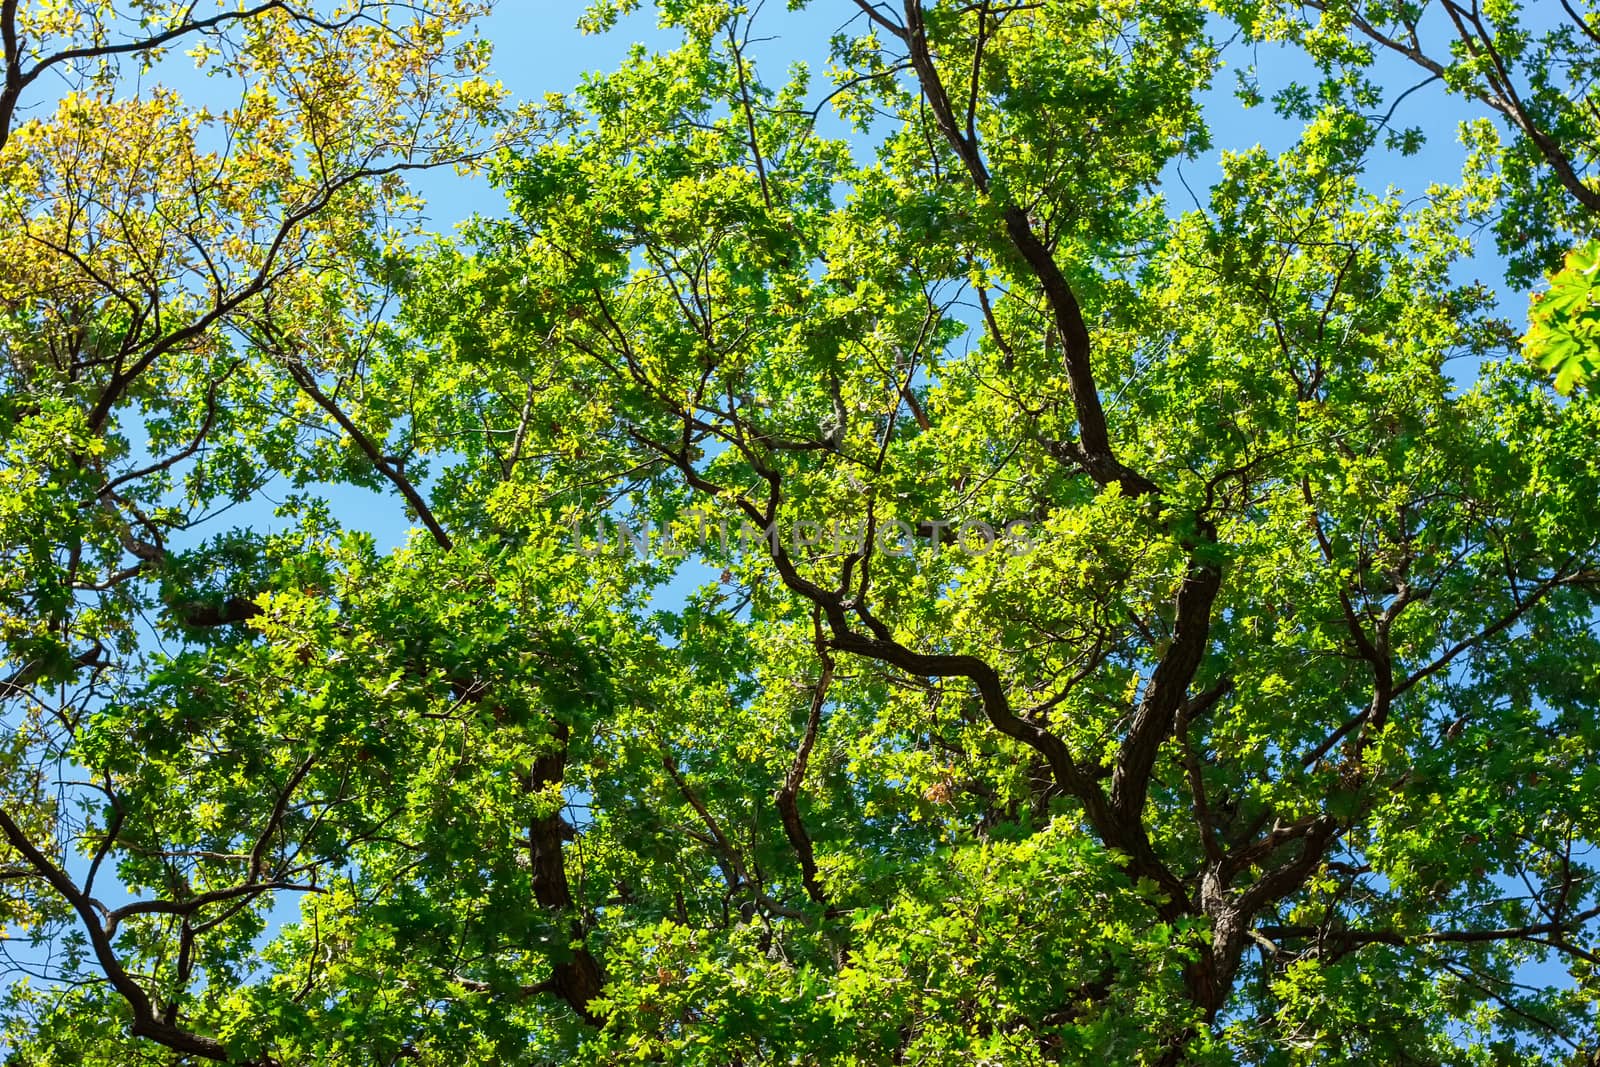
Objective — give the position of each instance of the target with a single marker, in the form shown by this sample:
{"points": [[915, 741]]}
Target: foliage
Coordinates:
{"points": [[1562, 333], [1228, 691]]}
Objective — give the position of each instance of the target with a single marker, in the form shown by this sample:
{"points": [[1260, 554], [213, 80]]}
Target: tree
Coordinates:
{"points": [[175, 282], [1130, 644]]}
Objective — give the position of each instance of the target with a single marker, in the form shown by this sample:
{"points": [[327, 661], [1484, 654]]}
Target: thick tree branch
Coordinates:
{"points": [[1094, 441], [1168, 688], [578, 976], [878, 644], [788, 807], [147, 1021]]}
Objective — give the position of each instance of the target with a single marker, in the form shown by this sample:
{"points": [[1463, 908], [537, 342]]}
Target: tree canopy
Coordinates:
{"points": [[899, 570]]}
